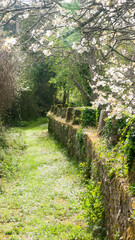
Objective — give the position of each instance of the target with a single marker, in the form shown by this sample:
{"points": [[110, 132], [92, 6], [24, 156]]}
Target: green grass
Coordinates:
{"points": [[44, 199]]}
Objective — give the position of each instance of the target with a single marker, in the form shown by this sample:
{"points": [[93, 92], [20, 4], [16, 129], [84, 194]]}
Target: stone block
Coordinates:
{"points": [[59, 109], [102, 117], [52, 108], [69, 114], [76, 117], [63, 112], [55, 110]]}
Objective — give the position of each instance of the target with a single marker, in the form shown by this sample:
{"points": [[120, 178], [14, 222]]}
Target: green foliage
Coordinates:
{"points": [[133, 215], [116, 234], [98, 111], [121, 157], [88, 117], [94, 208], [36, 95], [132, 189], [114, 126], [79, 136], [63, 80], [114, 158], [72, 7], [86, 168], [34, 123], [128, 142], [11, 145], [3, 142], [31, 123], [24, 108]]}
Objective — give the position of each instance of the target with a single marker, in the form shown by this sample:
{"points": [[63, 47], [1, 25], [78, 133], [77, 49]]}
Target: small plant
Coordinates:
{"points": [[94, 208], [86, 168], [115, 160], [132, 189], [133, 215], [79, 136]]}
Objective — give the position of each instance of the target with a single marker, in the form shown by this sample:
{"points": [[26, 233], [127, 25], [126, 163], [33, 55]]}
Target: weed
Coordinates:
{"points": [[85, 168], [94, 209]]}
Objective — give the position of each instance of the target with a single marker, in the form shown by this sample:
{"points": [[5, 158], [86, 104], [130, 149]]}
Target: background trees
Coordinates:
{"points": [[36, 94], [100, 34], [7, 82]]}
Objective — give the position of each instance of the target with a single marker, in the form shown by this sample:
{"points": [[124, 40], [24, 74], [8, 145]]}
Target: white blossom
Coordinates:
{"points": [[93, 41], [51, 44], [9, 43], [49, 33], [47, 52], [25, 15]]}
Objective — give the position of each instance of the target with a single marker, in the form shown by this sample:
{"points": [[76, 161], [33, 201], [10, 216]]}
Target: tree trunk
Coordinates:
{"points": [[81, 89]]}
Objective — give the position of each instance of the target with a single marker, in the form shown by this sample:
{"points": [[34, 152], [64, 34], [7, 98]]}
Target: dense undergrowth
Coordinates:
{"points": [[12, 144]]}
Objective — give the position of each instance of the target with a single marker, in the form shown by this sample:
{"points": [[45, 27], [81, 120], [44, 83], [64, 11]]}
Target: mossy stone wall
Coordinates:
{"points": [[119, 205]]}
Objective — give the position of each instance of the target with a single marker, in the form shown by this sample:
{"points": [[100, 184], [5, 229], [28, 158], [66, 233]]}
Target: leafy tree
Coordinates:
{"points": [[7, 82], [71, 77], [43, 90], [99, 33]]}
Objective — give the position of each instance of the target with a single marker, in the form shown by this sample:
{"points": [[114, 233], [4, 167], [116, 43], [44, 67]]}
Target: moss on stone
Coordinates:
{"points": [[63, 112], [59, 109], [69, 114]]}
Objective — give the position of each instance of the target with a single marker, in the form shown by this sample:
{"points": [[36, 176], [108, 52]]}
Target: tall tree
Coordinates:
{"points": [[102, 34]]}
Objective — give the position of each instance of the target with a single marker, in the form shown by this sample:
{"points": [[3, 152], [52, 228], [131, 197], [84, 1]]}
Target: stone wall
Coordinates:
{"points": [[119, 205]]}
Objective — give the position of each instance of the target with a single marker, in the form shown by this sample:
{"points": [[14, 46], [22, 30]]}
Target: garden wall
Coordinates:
{"points": [[119, 205]]}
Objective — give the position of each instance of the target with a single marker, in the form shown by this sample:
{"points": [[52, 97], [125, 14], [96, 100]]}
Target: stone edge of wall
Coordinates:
{"points": [[117, 200]]}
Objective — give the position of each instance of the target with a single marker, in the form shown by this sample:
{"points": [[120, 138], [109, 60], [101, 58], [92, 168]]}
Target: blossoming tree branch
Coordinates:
{"points": [[98, 32]]}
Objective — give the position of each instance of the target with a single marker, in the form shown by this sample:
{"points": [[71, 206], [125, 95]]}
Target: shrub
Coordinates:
{"points": [[88, 117]]}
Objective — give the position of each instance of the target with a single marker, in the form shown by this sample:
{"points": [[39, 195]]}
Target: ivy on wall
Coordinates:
{"points": [[88, 117]]}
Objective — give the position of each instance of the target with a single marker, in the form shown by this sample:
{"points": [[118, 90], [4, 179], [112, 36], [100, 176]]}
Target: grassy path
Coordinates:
{"points": [[43, 201]]}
